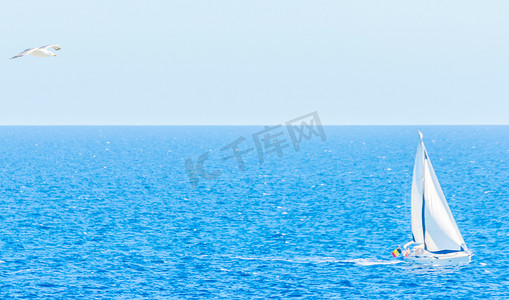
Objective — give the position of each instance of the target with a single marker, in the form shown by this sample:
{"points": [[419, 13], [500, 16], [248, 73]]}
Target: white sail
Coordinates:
{"points": [[432, 222], [417, 194], [440, 229]]}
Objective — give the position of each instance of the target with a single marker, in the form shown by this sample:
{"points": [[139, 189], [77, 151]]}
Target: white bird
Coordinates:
{"points": [[39, 52]]}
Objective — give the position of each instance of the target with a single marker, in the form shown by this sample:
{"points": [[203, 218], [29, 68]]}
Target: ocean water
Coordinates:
{"points": [[132, 212]]}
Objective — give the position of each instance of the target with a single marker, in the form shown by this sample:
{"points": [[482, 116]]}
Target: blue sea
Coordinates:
{"points": [[171, 213]]}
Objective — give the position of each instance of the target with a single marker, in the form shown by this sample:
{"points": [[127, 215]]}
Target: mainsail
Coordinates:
{"points": [[432, 222]]}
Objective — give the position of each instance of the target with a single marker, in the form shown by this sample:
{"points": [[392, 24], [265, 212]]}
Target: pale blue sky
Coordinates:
{"points": [[255, 62]]}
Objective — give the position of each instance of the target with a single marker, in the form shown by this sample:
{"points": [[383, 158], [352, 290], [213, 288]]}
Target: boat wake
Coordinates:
{"points": [[299, 260], [320, 259], [373, 262]]}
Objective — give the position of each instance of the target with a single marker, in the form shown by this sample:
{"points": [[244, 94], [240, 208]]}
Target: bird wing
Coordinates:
{"points": [[55, 46], [27, 51]]}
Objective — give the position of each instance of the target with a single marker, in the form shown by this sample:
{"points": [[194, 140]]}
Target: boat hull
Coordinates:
{"points": [[455, 258]]}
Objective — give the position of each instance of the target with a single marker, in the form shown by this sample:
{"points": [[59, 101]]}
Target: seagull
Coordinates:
{"points": [[39, 52]]}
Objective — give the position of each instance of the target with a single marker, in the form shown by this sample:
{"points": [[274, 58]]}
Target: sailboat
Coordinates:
{"points": [[436, 238]]}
